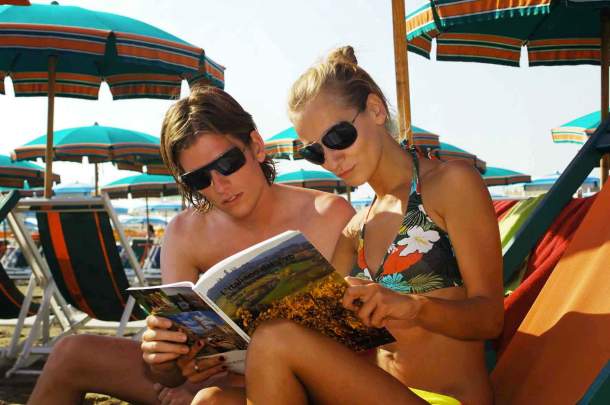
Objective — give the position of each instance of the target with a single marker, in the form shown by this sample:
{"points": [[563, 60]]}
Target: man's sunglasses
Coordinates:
{"points": [[339, 136], [226, 164]]}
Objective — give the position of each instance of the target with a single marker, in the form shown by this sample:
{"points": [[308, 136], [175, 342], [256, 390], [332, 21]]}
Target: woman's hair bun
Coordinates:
{"points": [[344, 54]]}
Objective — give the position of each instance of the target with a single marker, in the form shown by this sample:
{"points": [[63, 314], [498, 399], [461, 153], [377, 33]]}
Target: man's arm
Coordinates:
{"points": [[162, 347]]}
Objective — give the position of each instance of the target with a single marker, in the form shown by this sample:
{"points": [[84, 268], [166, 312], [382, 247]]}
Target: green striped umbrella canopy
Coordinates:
{"points": [[315, 179], [124, 147], [53, 50], [578, 130], [285, 145], [135, 59], [451, 152], [21, 174], [555, 32], [497, 176], [142, 185]]}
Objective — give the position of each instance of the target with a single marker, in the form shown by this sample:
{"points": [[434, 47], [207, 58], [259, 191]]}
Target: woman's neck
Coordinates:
{"points": [[394, 169]]}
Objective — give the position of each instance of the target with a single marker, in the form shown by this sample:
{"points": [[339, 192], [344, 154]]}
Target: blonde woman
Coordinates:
{"points": [[429, 246]]}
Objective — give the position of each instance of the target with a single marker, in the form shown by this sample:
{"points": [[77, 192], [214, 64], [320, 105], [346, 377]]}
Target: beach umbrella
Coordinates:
{"points": [[315, 179], [15, 174], [497, 176], [128, 149], [555, 32], [448, 152], [167, 206], [139, 221], [577, 130], [73, 189], [142, 185], [285, 145], [546, 182], [67, 51]]}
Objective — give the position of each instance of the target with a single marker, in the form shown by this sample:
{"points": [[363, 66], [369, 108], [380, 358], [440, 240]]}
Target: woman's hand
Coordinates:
{"points": [[161, 346], [200, 369], [376, 305]]}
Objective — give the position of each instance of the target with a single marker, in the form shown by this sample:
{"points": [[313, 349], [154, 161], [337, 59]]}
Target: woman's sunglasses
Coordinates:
{"points": [[226, 164], [339, 136]]}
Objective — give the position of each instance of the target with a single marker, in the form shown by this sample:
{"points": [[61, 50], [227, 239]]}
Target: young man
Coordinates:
{"points": [[214, 151]]}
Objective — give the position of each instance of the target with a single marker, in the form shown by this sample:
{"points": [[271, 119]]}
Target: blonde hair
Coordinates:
{"points": [[339, 74], [206, 110]]}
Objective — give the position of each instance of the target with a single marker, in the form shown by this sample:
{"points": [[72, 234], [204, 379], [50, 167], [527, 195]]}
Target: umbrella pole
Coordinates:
{"points": [[402, 71], [97, 177], [605, 23], [48, 174], [147, 220]]}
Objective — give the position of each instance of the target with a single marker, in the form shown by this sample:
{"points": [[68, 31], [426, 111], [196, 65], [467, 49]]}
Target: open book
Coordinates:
{"points": [[283, 277]]}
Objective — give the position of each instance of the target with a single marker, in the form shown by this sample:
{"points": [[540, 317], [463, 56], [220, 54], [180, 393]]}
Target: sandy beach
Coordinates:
{"points": [[17, 389]]}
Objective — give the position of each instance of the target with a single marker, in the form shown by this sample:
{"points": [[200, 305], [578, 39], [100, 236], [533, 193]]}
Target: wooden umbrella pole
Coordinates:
{"points": [[605, 25], [402, 70], [49, 153], [97, 178]]}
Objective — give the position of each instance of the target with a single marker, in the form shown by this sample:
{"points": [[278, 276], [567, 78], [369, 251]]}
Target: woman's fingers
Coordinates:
{"points": [[196, 366], [366, 310], [354, 297], [205, 374]]}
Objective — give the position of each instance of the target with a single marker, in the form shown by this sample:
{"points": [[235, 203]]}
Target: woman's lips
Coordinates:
{"points": [[345, 173]]}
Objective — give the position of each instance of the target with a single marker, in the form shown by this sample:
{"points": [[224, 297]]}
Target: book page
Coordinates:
{"points": [[191, 315], [285, 277]]}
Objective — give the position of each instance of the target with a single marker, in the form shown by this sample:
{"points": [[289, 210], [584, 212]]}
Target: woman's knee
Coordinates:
{"points": [[217, 396], [275, 337]]}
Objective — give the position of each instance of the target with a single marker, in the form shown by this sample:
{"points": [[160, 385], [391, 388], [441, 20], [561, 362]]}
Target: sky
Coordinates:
{"points": [[502, 114]]}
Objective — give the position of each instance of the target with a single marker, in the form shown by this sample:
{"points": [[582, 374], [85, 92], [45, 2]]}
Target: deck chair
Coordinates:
{"points": [[16, 306], [13, 304], [560, 352], [81, 255]]}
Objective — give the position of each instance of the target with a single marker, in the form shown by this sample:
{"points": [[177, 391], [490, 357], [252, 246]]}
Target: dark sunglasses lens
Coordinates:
{"points": [[313, 153], [230, 162], [197, 180], [341, 136]]}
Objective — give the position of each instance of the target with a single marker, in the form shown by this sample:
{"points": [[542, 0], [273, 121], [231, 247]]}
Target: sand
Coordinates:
{"points": [[17, 389]]}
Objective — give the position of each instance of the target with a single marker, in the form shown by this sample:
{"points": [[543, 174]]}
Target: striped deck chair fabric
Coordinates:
{"points": [[81, 251], [11, 299], [563, 343]]}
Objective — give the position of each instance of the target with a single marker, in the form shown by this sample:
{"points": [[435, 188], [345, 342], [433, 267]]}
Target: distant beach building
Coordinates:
{"points": [[543, 184]]}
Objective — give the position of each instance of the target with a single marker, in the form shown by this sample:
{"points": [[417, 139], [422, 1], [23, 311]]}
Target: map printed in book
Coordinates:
{"points": [[283, 277]]}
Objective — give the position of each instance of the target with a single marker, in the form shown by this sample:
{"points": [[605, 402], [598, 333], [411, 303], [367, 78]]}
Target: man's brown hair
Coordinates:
{"points": [[206, 109]]}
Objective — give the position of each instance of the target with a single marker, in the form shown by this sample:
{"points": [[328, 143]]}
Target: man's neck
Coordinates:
{"points": [[261, 217]]}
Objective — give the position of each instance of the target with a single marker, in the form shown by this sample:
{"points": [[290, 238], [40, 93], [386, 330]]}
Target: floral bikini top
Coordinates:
{"points": [[421, 257]]}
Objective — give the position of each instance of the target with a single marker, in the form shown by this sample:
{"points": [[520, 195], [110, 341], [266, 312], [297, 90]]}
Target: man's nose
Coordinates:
{"points": [[219, 182]]}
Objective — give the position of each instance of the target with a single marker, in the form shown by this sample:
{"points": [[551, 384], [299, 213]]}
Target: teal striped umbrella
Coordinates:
{"points": [[142, 185], [127, 148], [578, 130], [21, 174], [286, 144], [497, 176], [67, 51], [87, 47], [554, 32], [315, 179], [450, 152]]}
